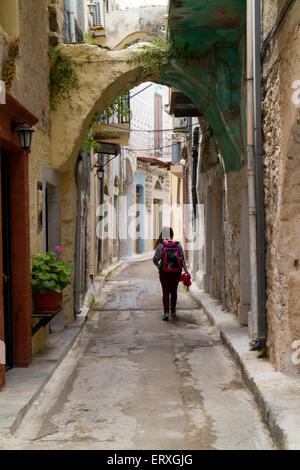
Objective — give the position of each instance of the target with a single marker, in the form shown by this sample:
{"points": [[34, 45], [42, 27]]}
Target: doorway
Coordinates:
{"points": [[139, 219], [138, 222], [157, 219], [6, 268]]}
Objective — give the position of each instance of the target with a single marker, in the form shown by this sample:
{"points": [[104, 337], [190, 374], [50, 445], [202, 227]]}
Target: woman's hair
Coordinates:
{"points": [[167, 232]]}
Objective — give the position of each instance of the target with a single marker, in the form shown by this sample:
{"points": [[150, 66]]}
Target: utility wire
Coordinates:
{"points": [[141, 91], [151, 130], [166, 146], [282, 15]]}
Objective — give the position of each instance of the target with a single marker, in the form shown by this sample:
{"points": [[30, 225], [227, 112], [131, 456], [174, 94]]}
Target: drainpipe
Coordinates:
{"points": [[259, 324], [252, 321], [195, 168], [71, 14], [78, 176], [101, 202]]}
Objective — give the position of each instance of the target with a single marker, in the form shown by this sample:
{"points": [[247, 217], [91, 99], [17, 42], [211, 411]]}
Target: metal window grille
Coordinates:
{"points": [[99, 14]]}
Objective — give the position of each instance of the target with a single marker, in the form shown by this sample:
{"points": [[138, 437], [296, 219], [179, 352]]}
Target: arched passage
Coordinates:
{"points": [[133, 38], [103, 76]]}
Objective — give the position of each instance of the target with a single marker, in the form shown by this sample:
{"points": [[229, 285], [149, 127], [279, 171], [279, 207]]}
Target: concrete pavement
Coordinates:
{"points": [[277, 394], [132, 381]]}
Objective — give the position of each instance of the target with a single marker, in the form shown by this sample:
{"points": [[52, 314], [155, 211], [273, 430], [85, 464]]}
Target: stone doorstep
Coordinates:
{"points": [[276, 394], [24, 385]]}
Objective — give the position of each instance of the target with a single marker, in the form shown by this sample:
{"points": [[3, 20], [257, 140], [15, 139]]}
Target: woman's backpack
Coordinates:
{"points": [[170, 257]]}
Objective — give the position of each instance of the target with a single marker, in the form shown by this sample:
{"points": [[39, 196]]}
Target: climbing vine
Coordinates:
{"points": [[151, 55], [9, 67], [63, 77], [160, 52], [90, 141], [89, 38]]}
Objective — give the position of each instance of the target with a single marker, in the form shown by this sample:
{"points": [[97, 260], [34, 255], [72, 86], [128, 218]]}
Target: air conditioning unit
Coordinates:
{"points": [[181, 124]]}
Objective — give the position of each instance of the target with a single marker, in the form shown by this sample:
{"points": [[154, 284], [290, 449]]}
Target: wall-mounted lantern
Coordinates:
{"points": [[100, 173], [92, 8], [25, 133]]}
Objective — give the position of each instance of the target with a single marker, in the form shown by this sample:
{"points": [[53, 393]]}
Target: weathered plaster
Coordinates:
{"points": [[124, 27], [210, 38]]}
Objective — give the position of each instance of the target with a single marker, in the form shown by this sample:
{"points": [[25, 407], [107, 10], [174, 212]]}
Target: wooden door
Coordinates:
{"points": [[6, 268]]}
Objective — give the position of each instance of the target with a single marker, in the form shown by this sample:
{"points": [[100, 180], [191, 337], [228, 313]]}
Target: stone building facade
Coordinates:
{"points": [[218, 182], [281, 75], [24, 68], [25, 71]]}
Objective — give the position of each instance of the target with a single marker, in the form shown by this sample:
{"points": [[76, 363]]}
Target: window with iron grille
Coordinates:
{"points": [[99, 14]]}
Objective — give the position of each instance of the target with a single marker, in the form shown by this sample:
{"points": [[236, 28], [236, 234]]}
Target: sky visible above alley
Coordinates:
{"points": [[122, 4]]}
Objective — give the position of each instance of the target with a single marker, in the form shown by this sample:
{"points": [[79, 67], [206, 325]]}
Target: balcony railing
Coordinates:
{"points": [[115, 127]]}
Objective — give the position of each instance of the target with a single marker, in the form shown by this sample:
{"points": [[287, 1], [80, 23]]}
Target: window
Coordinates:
{"points": [[99, 15]]}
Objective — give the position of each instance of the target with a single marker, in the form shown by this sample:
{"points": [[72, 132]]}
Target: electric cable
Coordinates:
{"points": [[141, 91], [282, 15], [151, 130], [165, 146]]}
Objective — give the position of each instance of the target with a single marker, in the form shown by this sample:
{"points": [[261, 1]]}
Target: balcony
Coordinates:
{"points": [[114, 133], [113, 126], [181, 105]]}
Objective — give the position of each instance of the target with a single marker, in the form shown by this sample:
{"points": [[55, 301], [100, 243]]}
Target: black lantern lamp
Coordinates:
{"points": [[25, 133], [92, 8], [99, 167], [100, 172]]}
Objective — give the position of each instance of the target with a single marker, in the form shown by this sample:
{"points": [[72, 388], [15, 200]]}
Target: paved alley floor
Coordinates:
{"points": [[132, 381]]}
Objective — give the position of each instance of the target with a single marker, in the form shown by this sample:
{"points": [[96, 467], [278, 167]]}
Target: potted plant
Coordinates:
{"points": [[50, 275]]}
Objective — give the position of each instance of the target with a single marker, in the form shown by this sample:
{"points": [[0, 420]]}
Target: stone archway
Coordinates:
{"points": [[103, 76]]}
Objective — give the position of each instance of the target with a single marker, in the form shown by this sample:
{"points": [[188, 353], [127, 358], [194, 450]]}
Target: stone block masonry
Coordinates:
{"points": [[281, 71]]}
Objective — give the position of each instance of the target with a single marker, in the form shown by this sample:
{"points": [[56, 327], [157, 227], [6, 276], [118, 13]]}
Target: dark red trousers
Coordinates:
{"points": [[169, 283]]}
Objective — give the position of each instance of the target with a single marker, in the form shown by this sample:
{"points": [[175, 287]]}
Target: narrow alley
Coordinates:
{"points": [[132, 381]]}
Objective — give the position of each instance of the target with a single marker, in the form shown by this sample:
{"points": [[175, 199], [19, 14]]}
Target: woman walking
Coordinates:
{"points": [[169, 258]]}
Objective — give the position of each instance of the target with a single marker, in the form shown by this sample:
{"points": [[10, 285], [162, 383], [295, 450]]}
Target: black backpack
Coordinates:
{"points": [[170, 257]]}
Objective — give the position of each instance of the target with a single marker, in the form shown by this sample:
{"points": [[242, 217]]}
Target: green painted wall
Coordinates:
{"points": [[209, 42]]}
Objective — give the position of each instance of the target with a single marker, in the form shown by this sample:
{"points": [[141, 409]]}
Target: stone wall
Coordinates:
{"points": [[221, 194], [281, 68], [30, 87]]}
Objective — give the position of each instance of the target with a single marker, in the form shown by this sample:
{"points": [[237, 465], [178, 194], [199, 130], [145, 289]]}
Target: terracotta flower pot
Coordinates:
{"points": [[60, 299], [46, 303]]}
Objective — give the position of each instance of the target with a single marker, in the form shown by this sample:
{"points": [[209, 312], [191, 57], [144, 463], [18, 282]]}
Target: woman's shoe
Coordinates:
{"points": [[173, 316], [166, 316]]}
